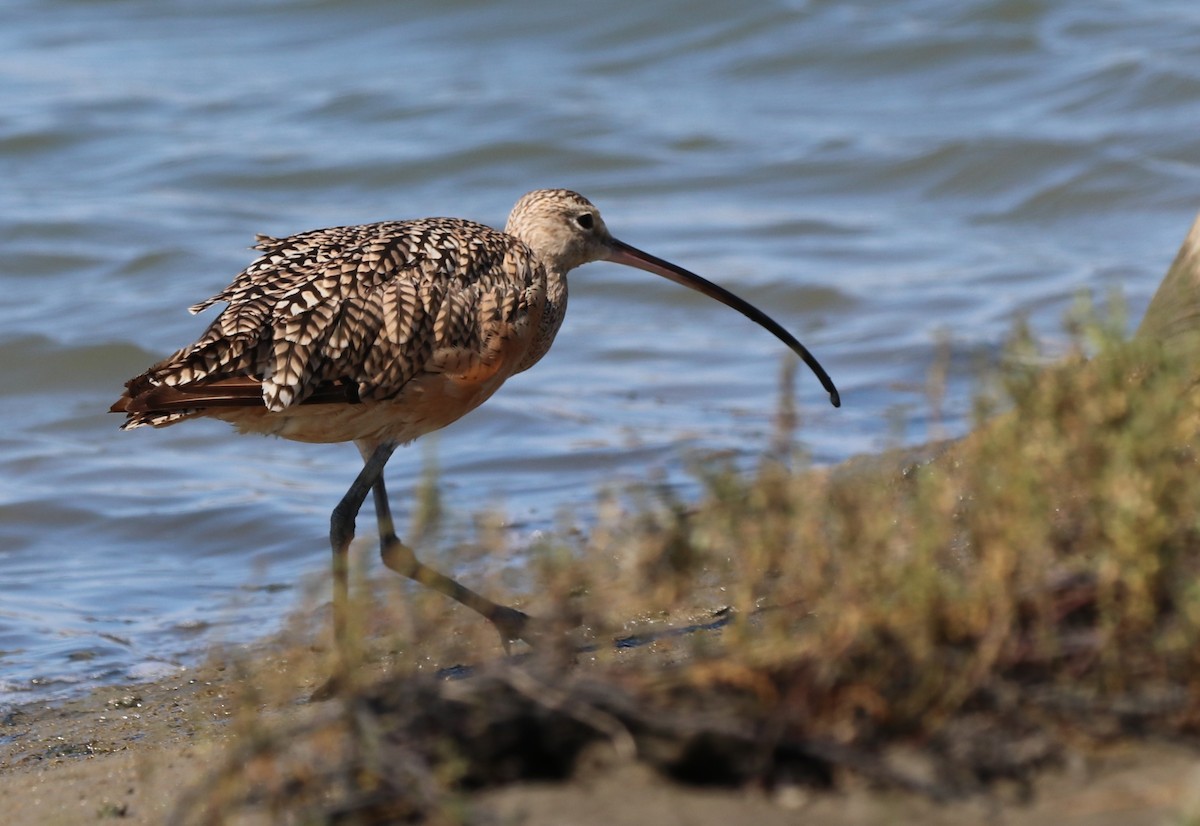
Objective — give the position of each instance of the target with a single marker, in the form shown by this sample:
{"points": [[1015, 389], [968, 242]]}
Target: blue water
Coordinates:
{"points": [[882, 177]]}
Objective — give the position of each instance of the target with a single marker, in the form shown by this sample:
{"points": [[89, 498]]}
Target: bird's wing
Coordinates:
{"points": [[353, 312]]}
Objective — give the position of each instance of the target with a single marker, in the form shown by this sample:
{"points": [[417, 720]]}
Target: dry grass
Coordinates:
{"points": [[935, 622]]}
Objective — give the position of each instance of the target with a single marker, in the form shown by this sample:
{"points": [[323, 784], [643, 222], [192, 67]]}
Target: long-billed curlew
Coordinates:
{"points": [[381, 333]]}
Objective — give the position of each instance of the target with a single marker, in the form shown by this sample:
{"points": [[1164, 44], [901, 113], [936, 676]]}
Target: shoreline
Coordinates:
{"points": [[148, 752], [140, 752]]}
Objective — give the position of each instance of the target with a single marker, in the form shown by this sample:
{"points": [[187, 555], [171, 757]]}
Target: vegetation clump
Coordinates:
{"points": [[935, 620]]}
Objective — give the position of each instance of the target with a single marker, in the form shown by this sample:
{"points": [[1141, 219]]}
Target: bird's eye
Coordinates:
{"points": [[585, 220]]}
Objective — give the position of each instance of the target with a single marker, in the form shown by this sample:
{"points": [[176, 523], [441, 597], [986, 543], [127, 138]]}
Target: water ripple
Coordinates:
{"points": [[880, 176]]}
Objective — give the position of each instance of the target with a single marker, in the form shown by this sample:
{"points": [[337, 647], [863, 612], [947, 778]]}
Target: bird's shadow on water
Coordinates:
{"points": [[718, 621]]}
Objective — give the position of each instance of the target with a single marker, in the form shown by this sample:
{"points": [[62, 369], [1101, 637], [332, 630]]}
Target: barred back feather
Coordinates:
{"points": [[350, 314]]}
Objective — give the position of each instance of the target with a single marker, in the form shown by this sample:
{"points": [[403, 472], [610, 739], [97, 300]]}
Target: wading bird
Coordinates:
{"points": [[379, 333]]}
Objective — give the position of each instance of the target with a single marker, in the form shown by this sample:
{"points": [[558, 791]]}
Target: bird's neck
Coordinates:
{"points": [[553, 312]]}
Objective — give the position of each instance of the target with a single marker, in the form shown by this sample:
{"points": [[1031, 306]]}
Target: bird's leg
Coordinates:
{"points": [[511, 623], [341, 532]]}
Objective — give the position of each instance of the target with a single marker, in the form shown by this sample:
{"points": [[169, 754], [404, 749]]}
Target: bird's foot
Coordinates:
{"points": [[514, 625], [329, 689], [540, 633]]}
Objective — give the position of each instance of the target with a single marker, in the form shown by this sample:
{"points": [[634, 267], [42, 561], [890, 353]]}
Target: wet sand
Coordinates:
{"points": [[142, 754]]}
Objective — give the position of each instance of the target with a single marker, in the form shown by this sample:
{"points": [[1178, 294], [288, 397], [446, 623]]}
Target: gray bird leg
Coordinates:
{"points": [[512, 624], [341, 532]]}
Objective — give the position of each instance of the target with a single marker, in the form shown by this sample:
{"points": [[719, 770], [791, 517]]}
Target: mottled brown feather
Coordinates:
{"points": [[346, 315]]}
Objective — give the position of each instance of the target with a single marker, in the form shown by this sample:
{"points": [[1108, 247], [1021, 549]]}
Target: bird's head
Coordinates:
{"points": [[565, 230]]}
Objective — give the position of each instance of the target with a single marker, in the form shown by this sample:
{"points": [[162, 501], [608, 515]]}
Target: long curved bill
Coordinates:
{"points": [[622, 253]]}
